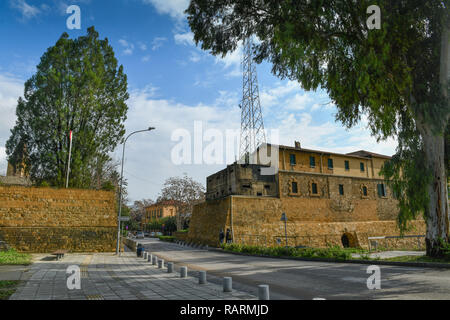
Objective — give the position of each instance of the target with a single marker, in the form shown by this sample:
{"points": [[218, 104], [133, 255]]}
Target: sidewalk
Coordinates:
{"points": [[391, 254], [107, 277]]}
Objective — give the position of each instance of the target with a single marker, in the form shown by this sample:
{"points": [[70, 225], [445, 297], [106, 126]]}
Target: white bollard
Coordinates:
{"points": [[169, 267], [145, 255], [263, 292], [154, 259], [202, 277], [160, 263], [227, 284], [149, 257], [183, 272]]}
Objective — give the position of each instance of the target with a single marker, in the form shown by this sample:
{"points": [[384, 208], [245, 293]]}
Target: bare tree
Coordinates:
{"points": [[138, 209], [186, 192]]}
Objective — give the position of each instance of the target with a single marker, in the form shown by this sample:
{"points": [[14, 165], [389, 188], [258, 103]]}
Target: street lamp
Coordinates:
{"points": [[120, 188], [284, 218]]}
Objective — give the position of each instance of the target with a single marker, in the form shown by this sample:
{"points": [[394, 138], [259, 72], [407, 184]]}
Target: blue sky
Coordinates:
{"points": [[172, 84]]}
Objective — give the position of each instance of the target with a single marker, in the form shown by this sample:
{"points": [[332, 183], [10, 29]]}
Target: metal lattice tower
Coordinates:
{"points": [[252, 126]]}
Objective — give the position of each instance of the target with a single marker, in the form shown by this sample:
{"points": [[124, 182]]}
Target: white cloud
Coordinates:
{"points": [[11, 89], [142, 46], [298, 102], [128, 47], [186, 38], [232, 62], [195, 57], [27, 11], [149, 154], [158, 42], [174, 8]]}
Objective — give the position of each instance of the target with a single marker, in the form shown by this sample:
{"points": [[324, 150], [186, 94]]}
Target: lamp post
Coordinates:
{"points": [[120, 187], [284, 218]]}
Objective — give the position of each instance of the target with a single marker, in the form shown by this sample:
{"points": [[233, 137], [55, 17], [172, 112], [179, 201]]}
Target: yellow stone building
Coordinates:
{"points": [[329, 199], [159, 210]]}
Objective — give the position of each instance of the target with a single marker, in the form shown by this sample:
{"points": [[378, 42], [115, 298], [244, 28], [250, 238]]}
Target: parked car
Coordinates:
{"points": [[159, 234], [140, 235], [146, 234], [152, 234]]}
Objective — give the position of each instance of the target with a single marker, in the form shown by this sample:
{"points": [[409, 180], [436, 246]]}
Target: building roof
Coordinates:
{"points": [[165, 203], [362, 154]]}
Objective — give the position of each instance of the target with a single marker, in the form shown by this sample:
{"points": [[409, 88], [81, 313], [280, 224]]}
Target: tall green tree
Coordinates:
{"points": [[78, 86], [397, 76]]}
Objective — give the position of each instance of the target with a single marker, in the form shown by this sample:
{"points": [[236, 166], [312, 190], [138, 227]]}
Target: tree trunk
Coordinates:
{"points": [[437, 212]]}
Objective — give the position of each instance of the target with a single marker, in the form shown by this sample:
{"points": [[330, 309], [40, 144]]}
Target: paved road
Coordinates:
{"points": [[290, 279]]}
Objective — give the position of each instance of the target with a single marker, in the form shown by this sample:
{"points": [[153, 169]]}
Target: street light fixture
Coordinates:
{"points": [[120, 188]]}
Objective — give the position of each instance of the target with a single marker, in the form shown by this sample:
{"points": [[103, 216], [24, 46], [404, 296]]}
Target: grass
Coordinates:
{"points": [[12, 257], [335, 252], [418, 259], [167, 238], [7, 289]]}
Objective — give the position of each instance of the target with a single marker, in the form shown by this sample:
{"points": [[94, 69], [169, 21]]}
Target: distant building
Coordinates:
{"points": [[15, 176], [159, 210]]}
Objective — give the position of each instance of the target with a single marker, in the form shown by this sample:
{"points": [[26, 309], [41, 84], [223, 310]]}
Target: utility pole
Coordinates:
{"points": [[68, 162]]}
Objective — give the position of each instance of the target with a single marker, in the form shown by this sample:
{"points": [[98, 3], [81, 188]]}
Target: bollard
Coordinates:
{"points": [[154, 259], [160, 263], [202, 277], [263, 292], [149, 257], [169, 267], [145, 255], [183, 272], [227, 284]]}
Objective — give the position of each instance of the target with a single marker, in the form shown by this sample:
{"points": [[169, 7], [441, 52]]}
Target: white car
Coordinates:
{"points": [[140, 235]]}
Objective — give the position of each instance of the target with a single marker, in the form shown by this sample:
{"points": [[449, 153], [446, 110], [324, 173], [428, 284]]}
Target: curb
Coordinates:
{"points": [[370, 262]]}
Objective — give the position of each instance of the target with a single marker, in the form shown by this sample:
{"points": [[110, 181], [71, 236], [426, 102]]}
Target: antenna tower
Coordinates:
{"points": [[252, 126]]}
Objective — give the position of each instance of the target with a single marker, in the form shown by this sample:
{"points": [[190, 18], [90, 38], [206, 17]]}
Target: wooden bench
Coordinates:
{"points": [[59, 254]]}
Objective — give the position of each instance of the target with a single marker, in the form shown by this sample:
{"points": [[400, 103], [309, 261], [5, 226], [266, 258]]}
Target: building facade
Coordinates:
{"points": [[159, 210], [328, 198]]}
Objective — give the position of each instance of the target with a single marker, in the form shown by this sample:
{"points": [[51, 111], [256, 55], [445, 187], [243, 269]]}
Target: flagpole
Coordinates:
{"points": [[68, 163]]}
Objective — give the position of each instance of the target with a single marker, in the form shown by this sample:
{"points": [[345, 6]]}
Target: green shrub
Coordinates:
{"points": [[167, 238], [12, 257], [325, 253]]}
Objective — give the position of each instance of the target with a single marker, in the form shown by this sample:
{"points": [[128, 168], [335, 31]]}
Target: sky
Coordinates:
{"points": [[174, 86]]}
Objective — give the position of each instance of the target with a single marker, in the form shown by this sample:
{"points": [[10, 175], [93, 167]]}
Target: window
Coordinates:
{"points": [[259, 194], [364, 191], [267, 187], [341, 189], [330, 163], [246, 186], [294, 187], [314, 188], [292, 159], [361, 166], [312, 162], [347, 165], [381, 190]]}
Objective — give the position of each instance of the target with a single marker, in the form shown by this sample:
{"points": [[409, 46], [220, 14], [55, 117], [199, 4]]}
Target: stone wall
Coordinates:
{"points": [[46, 219], [311, 222]]}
